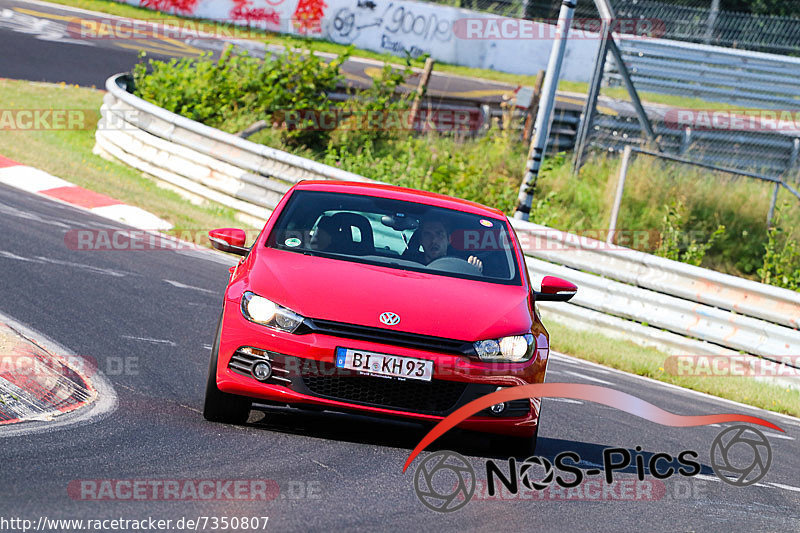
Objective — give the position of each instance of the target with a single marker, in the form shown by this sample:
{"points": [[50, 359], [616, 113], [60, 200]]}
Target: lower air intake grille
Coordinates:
{"points": [[434, 397]]}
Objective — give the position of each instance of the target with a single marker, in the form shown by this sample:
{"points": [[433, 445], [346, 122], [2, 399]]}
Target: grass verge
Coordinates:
{"points": [[68, 154], [649, 362]]}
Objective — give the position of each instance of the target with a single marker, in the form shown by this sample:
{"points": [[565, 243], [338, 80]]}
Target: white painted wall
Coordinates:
{"points": [[416, 28]]}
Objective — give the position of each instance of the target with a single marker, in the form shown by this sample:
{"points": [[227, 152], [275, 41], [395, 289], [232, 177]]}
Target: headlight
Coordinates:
{"points": [[265, 312], [514, 349]]}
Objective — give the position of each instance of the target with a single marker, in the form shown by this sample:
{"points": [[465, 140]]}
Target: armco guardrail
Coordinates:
{"points": [[711, 73], [754, 81], [675, 314], [207, 162], [745, 297], [656, 301]]}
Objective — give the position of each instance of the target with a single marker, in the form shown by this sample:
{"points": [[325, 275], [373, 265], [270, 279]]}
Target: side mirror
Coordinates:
{"points": [[555, 290], [229, 240]]}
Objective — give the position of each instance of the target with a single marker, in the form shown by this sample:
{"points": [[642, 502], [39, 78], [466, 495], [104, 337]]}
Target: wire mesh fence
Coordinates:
{"points": [[696, 21], [718, 86], [713, 104]]}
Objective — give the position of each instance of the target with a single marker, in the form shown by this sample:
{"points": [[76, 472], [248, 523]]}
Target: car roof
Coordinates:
{"points": [[399, 193]]}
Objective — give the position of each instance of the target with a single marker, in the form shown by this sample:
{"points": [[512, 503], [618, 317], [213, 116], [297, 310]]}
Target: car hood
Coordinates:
{"points": [[355, 293]]}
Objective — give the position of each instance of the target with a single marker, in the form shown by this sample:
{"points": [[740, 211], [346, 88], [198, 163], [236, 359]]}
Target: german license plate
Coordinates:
{"points": [[382, 364]]}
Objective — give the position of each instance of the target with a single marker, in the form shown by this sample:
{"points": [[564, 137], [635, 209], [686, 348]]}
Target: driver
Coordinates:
{"points": [[435, 241]]}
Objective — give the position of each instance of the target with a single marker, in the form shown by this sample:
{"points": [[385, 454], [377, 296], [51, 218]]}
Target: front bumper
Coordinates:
{"points": [[304, 373]]}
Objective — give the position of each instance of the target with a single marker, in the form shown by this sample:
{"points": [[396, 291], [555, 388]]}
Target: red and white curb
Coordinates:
{"points": [[37, 181], [36, 384], [44, 386]]}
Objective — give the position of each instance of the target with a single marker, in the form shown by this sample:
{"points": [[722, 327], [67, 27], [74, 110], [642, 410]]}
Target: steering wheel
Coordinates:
{"points": [[455, 265]]}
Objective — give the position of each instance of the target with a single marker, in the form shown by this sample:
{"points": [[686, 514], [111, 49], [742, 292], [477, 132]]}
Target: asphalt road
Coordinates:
{"points": [[156, 311], [120, 305]]}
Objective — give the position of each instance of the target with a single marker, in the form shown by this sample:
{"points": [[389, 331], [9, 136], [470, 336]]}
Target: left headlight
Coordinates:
{"points": [[258, 309], [513, 349]]}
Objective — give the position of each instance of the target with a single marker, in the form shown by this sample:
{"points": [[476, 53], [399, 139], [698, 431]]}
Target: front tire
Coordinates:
{"points": [[518, 447], [220, 406]]}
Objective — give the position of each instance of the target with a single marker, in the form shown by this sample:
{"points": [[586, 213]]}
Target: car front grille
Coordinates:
{"points": [[433, 397], [386, 336]]}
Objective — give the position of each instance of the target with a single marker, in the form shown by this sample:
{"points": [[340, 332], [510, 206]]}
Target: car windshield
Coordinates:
{"points": [[396, 234]]}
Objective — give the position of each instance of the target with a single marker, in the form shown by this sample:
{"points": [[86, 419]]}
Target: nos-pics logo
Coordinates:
{"points": [[445, 481]]}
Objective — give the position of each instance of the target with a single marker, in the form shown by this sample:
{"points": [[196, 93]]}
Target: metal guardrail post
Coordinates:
{"points": [[591, 98], [623, 173], [544, 117]]}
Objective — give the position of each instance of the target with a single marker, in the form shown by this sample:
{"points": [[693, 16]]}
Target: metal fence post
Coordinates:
{"points": [[591, 98], [544, 116], [686, 140], [623, 173], [772, 203], [793, 158], [644, 120], [712, 21]]}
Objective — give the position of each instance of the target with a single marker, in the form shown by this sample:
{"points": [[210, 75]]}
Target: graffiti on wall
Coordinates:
{"points": [[307, 17], [298, 16], [401, 27], [182, 7], [245, 11]]}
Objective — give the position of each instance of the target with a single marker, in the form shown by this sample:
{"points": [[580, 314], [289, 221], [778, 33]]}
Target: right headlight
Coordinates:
{"points": [[512, 349], [258, 309]]}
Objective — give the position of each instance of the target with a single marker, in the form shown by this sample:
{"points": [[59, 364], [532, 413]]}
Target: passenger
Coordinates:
{"points": [[435, 240]]}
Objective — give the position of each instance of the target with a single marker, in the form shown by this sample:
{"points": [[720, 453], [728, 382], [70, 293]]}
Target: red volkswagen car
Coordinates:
{"points": [[384, 301]]}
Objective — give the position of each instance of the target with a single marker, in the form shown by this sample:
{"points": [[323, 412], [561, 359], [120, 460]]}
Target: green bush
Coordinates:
{"points": [[781, 258], [238, 90], [681, 245]]}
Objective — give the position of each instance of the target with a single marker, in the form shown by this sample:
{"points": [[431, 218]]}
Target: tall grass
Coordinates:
{"points": [[706, 199]]}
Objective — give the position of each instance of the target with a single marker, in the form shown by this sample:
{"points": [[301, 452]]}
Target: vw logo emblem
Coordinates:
{"points": [[390, 319]]}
